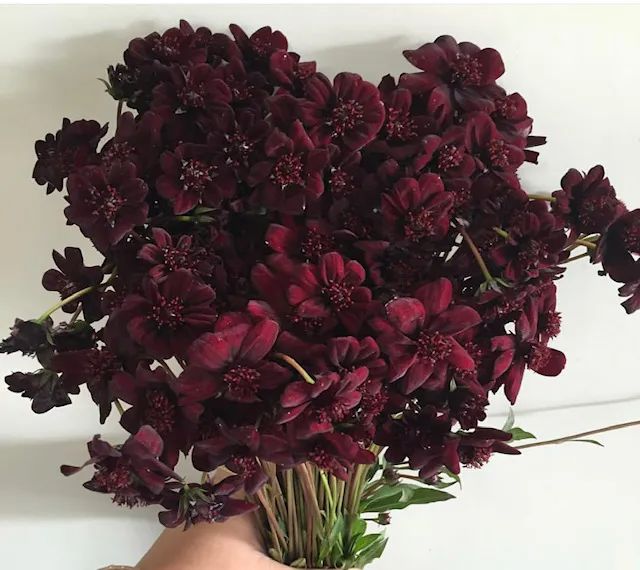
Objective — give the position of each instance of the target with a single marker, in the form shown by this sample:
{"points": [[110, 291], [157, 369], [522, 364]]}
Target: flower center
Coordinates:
{"points": [[106, 203], [434, 347], [112, 480], [193, 93], [399, 125], [339, 295], [466, 70], [538, 356], [196, 174], [469, 411], [596, 212], [550, 323], [242, 465], [474, 457], [345, 117], [159, 411], [631, 237], [288, 170], [167, 46], [340, 183], [321, 458], [242, 381], [449, 156], [506, 107], [238, 148], [118, 151], [531, 253], [308, 326], [315, 243], [373, 404], [175, 258], [497, 153], [168, 313], [101, 365], [420, 224]]}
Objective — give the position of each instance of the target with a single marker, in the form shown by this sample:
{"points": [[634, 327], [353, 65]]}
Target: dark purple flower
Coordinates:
{"points": [[131, 472], [167, 317], [305, 242], [27, 337], [419, 335], [71, 276], [106, 206], [477, 447], [258, 47], [347, 113], [72, 147], [231, 360], [43, 388]]}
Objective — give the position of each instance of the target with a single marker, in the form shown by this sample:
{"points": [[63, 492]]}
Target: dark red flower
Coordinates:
{"points": [[261, 44], [72, 147], [464, 69], [446, 154], [289, 72], [305, 242], [477, 447], [28, 337], [419, 335], [195, 503], [587, 203], [418, 210], [291, 174], [106, 206], [131, 472], [167, 317], [231, 360], [192, 176], [71, 276], [43, 387], [165, 257], [348, 113], [153, 396]]}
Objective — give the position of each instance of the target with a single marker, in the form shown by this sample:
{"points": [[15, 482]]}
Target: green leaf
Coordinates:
{"points": [[589, 441], [511, 420], [333, 543], [401, 496], [373, 549], [441, 484], [365, 542], [358, 528], [518, 434], [275, 554], [299, 563]]}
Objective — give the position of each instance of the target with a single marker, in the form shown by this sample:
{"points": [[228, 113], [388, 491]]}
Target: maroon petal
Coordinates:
{"points": [[435, 296], [259, 341], [406, 314]]}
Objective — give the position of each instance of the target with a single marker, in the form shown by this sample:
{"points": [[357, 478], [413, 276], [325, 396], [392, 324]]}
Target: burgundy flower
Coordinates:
{"points": [[477, 447], [195, 503], [345, 175], [191, 176], [446, 154], [167, 317], [418, 210], [332, 291], [153, 396], [305, 242], [419, 335], [291, 175], [72, 147], [334, 452], [587, 203], [165, 257], [106, 206], [237, 448], [71, 276], [94, 367], [131, 472], [463, 68], [27, 337], [261, 44], [348, 113], [231, 360], [43, 387], [289, 72]]}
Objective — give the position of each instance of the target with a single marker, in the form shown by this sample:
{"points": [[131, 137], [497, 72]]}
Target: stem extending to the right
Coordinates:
{"points": [[296, 366], [476, 254], [545, 197], [579, 435]]}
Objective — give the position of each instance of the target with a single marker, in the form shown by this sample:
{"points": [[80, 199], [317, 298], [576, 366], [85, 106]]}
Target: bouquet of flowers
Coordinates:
{"points": [[313, 283]]}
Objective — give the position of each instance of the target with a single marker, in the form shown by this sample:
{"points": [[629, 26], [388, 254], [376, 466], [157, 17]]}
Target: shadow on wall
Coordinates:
{"points": [[34, 487]]}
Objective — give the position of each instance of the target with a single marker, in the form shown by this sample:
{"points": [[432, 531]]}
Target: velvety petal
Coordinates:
{"points": [[435, 296], [455, 320], [406, 314], [259, 341]]}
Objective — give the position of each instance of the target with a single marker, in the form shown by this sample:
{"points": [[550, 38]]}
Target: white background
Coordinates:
{"points": [[572, 506]]}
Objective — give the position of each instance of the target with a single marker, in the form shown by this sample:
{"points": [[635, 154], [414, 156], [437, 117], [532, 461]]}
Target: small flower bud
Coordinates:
{"points": [[384, 519], [390, 475]]}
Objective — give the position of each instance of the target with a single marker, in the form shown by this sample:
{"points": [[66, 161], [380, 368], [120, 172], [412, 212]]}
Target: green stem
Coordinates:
{"points": [[546, 197], [586, 243], [579, 435], [372, 488], [501, 232], [296, 366], [43, 317], [76, 314], [118, 406], [575, 257], [474, 250], [119, 111], [327, 490]]}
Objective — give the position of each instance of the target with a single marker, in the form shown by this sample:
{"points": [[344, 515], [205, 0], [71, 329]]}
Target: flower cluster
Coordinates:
{"points": [[300, 268]]}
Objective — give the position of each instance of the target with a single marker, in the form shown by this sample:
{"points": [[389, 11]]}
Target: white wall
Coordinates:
{"points": [[569, 507]]}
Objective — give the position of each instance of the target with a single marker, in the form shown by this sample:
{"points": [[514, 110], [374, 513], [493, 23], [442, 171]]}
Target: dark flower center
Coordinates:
{"points": [[308, 326], [159, 411], [315, 243], [333, 412], [106, 203], [112, 480], [118, 151], [167, 46], [175, 258], [474, 457], [242, 465], [193, 93], [538, 356], [345, 116], [101, 365], [238, 148], [550, 323], [288, 170], [399, 125], [506, 107], [196, 174], [631, 238], [373, 404], [498, 154], [340, 183], [321, 458], [466, 70], [355, 223], [469, 411], [242, 381], [420, 224], [596, 212], [531, 253], [168, 313], [434, 347], [449, 156], [339, 295]]}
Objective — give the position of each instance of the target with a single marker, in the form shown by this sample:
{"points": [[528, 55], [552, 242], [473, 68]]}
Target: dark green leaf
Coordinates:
{"points": [[401, 496], [373, 550], [382, 499], [518, 434]]}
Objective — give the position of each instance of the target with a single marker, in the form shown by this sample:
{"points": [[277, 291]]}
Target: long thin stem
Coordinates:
{"points": [[586, 243], [119, 110], [164, 365], [474, 250], [118, 406], [576, 257], [76, 314], [546, 197], [273, 521], [43, 317], [579, 435], [296, 366]]}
